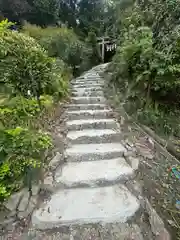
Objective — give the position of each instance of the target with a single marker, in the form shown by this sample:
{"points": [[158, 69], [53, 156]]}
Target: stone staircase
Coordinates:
{"points": [[91, 184]]}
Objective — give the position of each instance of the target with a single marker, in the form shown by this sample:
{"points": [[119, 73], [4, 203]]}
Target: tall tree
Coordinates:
{"points": [[44, 12], [68, 12], [14, 10], [91, 41], [96, 15], [41, 12], [90, 14]]}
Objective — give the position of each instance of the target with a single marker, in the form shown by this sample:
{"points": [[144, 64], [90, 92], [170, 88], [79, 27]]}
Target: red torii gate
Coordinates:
{"points": [[107, 42]]}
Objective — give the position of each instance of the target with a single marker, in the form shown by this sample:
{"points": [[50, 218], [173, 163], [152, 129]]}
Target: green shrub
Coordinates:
{"points": [[20, 150], [25, 65], [149, 71], [146, 66], [94, 56], [22, 111], [23, 62], [61, 42], [59, 87]]}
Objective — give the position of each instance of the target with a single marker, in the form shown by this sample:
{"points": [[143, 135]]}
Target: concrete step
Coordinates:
{"points": [[88, 100], [92, 124], [89, 114], [95, 106], [94, 136], [93, 77], [98, 93], [108, 231], [80, 85], [94, 152], [87, 81], [110, 204], [87, 88], [101, 172]]}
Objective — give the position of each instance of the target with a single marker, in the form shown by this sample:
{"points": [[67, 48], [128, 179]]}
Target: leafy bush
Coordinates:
{"points": [[23, 63], [93, 55], [146, 66], [22, 147], [59, 87], [22, 111], [145, 69], [59, 42], [20, 150]]}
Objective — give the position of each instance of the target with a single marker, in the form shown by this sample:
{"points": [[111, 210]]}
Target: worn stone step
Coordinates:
{"points": [[94, 136], [89, 114], [101, 172], [88, 85], [69, 207], [92, 124], [88, 81], [88, 100], [98, 93], [91, 88], [92, 152], [108, 231], [85, 79], [91, 75], [87, 89], [94, 106]]}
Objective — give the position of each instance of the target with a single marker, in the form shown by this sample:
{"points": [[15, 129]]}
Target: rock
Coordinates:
{"points": [[133, 162], [48, 182], [13, 201], [172, 223], [29, 209], [129, 148], [123, 232], [151, 142], [22, 203], [136, 233], [35, 190], [8, 220], [129, 154], [136, 187], [163, 235], [157, 225], [55, 161], [122, 120], [146, 153]]}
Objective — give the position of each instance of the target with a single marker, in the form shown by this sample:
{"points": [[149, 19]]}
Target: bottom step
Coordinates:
{"points": [[86, 205]]}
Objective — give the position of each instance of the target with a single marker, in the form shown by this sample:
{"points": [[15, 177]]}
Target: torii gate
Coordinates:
{"points": [[107, 42]]}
